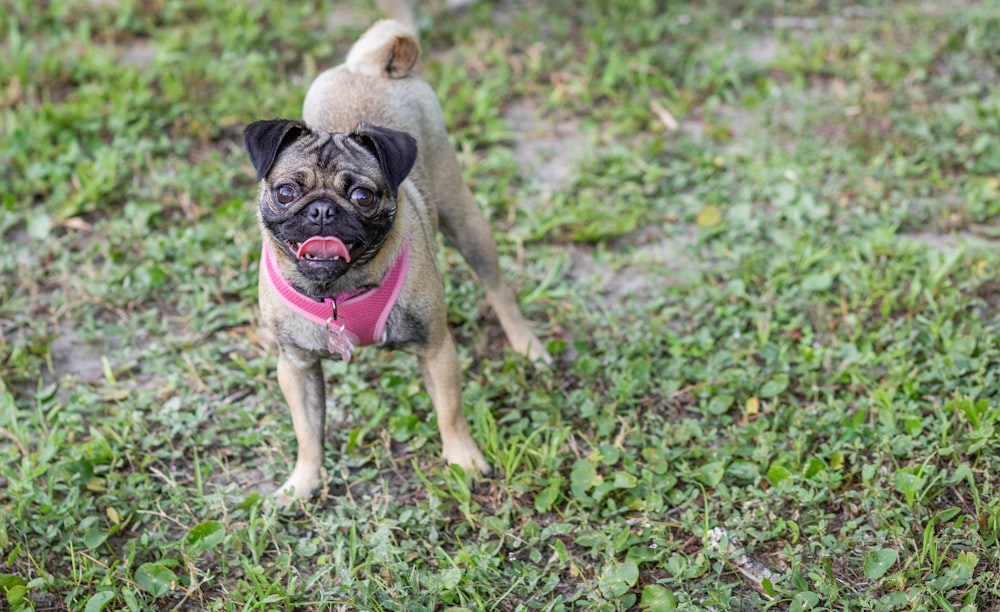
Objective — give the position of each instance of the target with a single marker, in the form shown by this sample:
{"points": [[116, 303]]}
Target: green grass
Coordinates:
{"points": [[780, 320]]}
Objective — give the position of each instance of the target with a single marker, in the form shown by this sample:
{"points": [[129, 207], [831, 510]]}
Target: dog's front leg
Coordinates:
{"points": [[300, 377], [441, 377]]}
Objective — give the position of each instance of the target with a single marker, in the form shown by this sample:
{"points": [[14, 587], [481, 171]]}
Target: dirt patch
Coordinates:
{"points": [[731, 123], [734, 125], [762, 51], [140, 53], [76, 358], [641, 262], [547, 152], [949, 243]]}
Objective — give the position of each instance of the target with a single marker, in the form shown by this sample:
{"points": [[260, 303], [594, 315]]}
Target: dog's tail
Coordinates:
{"points": [[388, 49]]}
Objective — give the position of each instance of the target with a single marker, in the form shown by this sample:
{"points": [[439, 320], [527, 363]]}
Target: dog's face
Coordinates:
{"points": [[327, 199]]}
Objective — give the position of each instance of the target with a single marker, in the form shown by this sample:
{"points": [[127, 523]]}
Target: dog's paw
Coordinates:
{"points": [[538, 354], [534, 349], [469, 458], [295, 489]]}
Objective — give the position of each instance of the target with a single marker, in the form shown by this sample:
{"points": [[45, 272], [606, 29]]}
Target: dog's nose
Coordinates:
{"points": [[321, 211]]}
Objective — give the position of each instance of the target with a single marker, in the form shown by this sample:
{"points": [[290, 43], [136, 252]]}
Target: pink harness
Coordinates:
{"points": [[352, 319]]}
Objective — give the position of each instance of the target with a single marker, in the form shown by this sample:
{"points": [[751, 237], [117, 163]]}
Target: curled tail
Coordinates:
{"points": [[388, 49]]}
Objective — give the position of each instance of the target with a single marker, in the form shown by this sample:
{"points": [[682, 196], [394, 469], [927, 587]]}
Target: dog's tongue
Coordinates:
{"points": [[323, 247]]}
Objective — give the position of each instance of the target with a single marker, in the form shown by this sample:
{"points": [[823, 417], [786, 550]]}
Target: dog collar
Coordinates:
{"points": [[352, 319]]}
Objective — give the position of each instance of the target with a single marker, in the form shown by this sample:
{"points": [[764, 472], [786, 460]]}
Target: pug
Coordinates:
{"points": [[350, 200]]}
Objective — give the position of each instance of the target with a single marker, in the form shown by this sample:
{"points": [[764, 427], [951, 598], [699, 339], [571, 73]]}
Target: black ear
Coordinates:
{"points": [[265, 139], [396, 151]]}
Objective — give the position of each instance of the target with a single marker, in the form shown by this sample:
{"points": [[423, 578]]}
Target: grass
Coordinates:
{"points": [[779, 320]]}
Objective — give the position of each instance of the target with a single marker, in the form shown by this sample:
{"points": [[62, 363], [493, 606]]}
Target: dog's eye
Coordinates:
{"points": [[362, 197], [285, 194]]}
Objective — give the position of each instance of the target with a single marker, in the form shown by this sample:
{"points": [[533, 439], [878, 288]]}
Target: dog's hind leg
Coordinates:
{"points": [[464, 226]]}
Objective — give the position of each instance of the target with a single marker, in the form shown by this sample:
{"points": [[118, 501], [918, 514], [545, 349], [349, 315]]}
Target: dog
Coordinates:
{"points": [[350, 199]]}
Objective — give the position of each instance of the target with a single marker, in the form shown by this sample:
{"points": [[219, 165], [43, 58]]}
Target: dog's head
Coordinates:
{"points": [[327, 199]]}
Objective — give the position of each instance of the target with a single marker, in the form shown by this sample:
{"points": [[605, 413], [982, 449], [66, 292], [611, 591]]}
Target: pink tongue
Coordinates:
{"points": [[324, 247]]}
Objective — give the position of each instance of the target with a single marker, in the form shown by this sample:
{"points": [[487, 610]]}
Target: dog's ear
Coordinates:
{"points": [[396, 151], [265, 139]]}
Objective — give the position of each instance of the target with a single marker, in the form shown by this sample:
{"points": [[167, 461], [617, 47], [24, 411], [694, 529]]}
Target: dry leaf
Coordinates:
{"points": [[664, 116], [709, 216]]}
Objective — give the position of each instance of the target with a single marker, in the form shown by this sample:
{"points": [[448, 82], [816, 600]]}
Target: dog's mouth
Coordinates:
{"points": [[321, 249]]}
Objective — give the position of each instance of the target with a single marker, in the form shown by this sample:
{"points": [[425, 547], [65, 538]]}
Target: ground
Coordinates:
{"points": [[759, 238]]}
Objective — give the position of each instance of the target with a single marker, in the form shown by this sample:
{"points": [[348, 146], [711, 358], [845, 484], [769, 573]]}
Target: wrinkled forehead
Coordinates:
{"points": [[332, 151]]}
